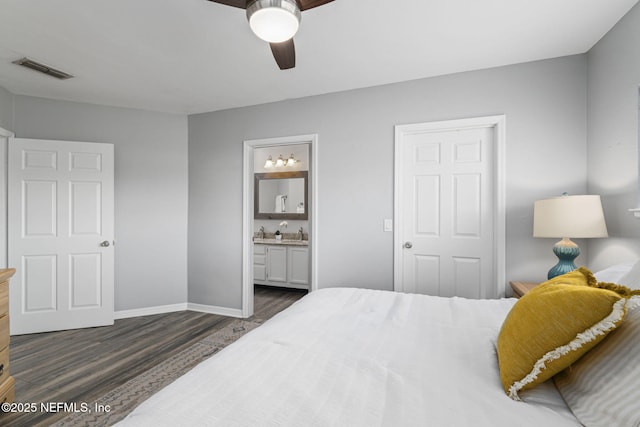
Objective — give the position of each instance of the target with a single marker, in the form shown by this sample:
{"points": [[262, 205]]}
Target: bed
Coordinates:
{"points": [[356, 357]]}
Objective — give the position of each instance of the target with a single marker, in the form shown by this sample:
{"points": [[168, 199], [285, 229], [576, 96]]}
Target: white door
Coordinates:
{"points": [[60, 234], [446, 211]]}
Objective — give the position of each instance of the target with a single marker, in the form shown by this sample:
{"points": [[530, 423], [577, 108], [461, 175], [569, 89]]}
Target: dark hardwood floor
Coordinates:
{"points": [[83, 364], [269, 301]]}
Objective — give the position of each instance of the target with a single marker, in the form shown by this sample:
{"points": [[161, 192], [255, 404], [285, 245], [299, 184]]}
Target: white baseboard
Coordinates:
{"points": [[147, 311], [212, 309]]}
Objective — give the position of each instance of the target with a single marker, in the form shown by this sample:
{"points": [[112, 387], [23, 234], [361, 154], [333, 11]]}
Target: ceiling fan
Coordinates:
{"points": [[276, 22]]}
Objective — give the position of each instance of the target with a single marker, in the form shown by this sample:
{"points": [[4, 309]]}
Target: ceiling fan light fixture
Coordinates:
{"points": [[274, 21]]}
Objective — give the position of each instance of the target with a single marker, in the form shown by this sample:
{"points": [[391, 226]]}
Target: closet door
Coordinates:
{"points": [[448, 210]]}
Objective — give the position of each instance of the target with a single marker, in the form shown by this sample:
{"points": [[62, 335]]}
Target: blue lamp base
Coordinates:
{"points": [[566, 251]]}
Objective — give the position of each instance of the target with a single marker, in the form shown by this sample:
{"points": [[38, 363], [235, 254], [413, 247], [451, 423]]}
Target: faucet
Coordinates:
{"points": [[261, 232], [300, 233]]}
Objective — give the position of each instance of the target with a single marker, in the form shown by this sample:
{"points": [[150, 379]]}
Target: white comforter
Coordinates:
{"points": [[354, 357]]}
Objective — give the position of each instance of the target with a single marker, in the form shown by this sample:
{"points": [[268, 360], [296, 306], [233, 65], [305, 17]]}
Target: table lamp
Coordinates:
{"points": [[568, 217]]}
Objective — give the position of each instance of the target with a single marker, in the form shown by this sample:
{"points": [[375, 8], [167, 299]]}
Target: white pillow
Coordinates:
{"points": [[632, 278], [616, 272]]}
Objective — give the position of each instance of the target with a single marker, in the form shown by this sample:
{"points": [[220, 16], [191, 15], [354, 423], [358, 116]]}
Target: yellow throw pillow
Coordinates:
{"points": [[552, 326], [581, 276]]}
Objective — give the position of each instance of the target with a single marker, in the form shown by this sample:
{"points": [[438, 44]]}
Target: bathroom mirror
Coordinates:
{"points": [[281, 195]]}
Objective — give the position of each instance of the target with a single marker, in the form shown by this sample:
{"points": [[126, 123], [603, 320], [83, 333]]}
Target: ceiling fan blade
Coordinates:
{"points": [[242, 4], [310, 4], [284, 54]]}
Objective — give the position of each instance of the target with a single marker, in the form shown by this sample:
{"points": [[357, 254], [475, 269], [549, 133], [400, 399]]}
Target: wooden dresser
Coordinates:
{"points": [[6, 380]]}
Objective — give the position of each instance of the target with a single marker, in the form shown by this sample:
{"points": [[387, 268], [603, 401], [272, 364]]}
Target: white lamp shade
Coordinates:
{"points": [[569, 216], [274, 21]]}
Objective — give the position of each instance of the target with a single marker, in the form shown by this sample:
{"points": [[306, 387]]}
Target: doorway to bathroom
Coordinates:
{"points": [[279, 216]]}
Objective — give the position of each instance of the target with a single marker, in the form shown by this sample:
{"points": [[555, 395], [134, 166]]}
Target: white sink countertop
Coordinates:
{"points": [[290, 242]]}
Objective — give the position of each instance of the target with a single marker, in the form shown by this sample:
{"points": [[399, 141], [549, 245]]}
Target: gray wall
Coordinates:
{"points": [[150, 186], [6, 109], [613, 82], [545, 105]]}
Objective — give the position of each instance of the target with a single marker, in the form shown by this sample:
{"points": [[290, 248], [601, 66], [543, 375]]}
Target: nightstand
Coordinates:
{"points": [[521, 288]]}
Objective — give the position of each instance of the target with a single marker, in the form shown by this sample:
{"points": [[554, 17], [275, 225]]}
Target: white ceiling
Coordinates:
{"points": [[192, 56]]}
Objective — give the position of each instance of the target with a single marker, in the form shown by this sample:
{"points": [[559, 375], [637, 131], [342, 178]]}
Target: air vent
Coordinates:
{"points": [[29, 63]]}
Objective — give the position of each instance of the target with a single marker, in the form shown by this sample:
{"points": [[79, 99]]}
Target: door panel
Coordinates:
{"points": [[466, 213], [467, 270], [277, 264], [427, 272], [33, 160], [40, 283], [60, 212], [298, 265], [427, 205], [86, 280], [39, 212], [86, 209]]}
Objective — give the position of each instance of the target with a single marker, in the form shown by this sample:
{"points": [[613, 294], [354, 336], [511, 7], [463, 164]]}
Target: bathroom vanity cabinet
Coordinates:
{"points": [[281, 265]]}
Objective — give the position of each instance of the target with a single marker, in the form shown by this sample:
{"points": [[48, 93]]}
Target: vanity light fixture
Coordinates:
{"points": [[280, 162], [269, 162]]}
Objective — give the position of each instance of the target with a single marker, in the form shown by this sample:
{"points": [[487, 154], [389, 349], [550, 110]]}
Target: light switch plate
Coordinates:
{"points": [[388, 225]]}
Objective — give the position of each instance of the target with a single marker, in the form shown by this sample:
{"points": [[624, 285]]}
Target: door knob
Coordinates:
{"points": [[408, 245], [105, 244]]}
